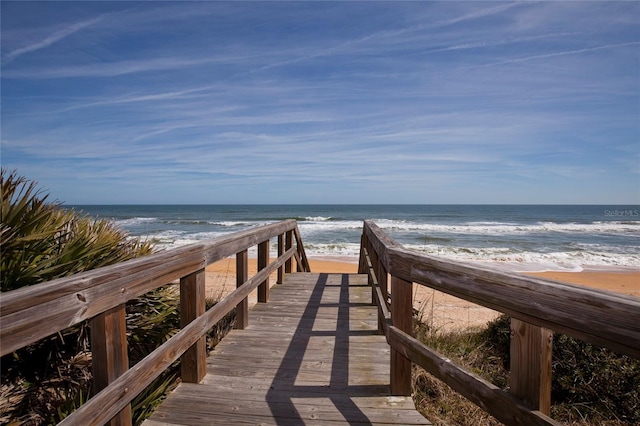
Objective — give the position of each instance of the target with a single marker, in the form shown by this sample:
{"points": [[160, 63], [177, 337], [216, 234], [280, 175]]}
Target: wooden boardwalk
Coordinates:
{"points": [[311, 355]]}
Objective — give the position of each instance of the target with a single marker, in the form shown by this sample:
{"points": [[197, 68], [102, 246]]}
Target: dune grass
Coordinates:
{"points": [[590, 385]]}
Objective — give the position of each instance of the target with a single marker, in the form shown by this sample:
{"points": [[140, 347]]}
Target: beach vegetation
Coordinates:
{"points": [[590, 385], [41, 240]]}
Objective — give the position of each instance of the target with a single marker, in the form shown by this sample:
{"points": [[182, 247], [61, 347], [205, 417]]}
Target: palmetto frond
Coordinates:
{"points": [[41, 241]]}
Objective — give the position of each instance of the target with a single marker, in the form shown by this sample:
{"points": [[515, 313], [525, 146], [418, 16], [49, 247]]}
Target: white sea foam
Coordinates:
{"points": [[532, 246], [497, 228], [323, 226], [332, 249], [317, 218], [230, 223], [174, 238], [135, 221], [532, 261]]}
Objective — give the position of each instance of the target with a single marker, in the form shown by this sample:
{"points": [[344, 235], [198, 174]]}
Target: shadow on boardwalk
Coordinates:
{"points": [[311, 355]]}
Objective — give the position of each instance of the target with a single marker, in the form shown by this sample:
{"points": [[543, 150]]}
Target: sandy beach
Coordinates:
{"points": [[439, 310]]}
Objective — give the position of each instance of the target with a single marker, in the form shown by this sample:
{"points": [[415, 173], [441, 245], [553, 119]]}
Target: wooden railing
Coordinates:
{"points": [[32, 313], [537, 307]]}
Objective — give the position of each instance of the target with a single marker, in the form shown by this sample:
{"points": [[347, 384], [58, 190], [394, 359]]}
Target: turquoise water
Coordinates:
{"points": [[517, 237]]}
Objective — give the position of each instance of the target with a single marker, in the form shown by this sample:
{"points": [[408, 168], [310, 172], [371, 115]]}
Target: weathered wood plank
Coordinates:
{"points": [[530, 370], [311, 355], [242, 274], [121, 392], [401, 315], [288, 244], [32, 313], [192, 305], [489, 397], [263, 260], [280, 277], [109, 354], [303, 263], [601, 317], [536, 306]]}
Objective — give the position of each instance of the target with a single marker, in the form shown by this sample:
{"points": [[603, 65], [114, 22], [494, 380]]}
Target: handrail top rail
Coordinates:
{"points": [[31, 313], [482, 271], [97, 276], [602, 317]]}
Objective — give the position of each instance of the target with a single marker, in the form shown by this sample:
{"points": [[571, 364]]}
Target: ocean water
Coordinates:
{"points": [[513, 237]]}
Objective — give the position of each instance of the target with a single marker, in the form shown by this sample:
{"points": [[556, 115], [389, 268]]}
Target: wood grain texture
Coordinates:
{"points": [[485, 395], [402, 318], [32, 313], [303, 262], [242, 274], [287, 245], [311, 355], [530, 370], [108, 402], [263, 260], [192, 305], [601, 317], [280, 276], [110, 357], [604, 318]]}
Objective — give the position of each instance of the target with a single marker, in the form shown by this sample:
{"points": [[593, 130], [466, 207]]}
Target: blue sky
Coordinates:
{"points": [[313, 102]]}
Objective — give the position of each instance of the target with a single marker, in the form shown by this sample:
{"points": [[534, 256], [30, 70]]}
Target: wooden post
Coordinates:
{"points": [[362, 261], [109, 353], [401, 315], [193, 363], [280, 278], [263, 261], [530, 376], [287, 246], [373, 256], [382, 282], [242, 275]]}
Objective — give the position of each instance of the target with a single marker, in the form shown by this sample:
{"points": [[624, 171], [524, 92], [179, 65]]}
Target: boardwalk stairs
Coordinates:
{"points": [[311, 355]]}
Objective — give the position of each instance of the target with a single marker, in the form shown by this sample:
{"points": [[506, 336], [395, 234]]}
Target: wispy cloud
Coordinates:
{"points": [[481, 13], [51, 39], [563, 53], [110, 69], [334, 96]]}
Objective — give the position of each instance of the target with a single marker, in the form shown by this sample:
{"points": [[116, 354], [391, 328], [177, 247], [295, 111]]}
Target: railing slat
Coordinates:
{"points": [[288, 245], [530, 370], [402, 317], [193, 363], [263, 260], [109, 354], [604, 318], [32, 313], [486, 395], [303, 263], [601, 317], [242, 274], [107, 403], [536, 306], [280, 277]]}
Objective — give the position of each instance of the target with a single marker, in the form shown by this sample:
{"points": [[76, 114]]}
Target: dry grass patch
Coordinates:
{"points": [[590, 385]]}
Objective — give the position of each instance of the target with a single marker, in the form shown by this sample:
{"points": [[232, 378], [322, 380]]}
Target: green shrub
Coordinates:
{"points": [[46, 381], [594, 382], [41, 241], [590, 385]]}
